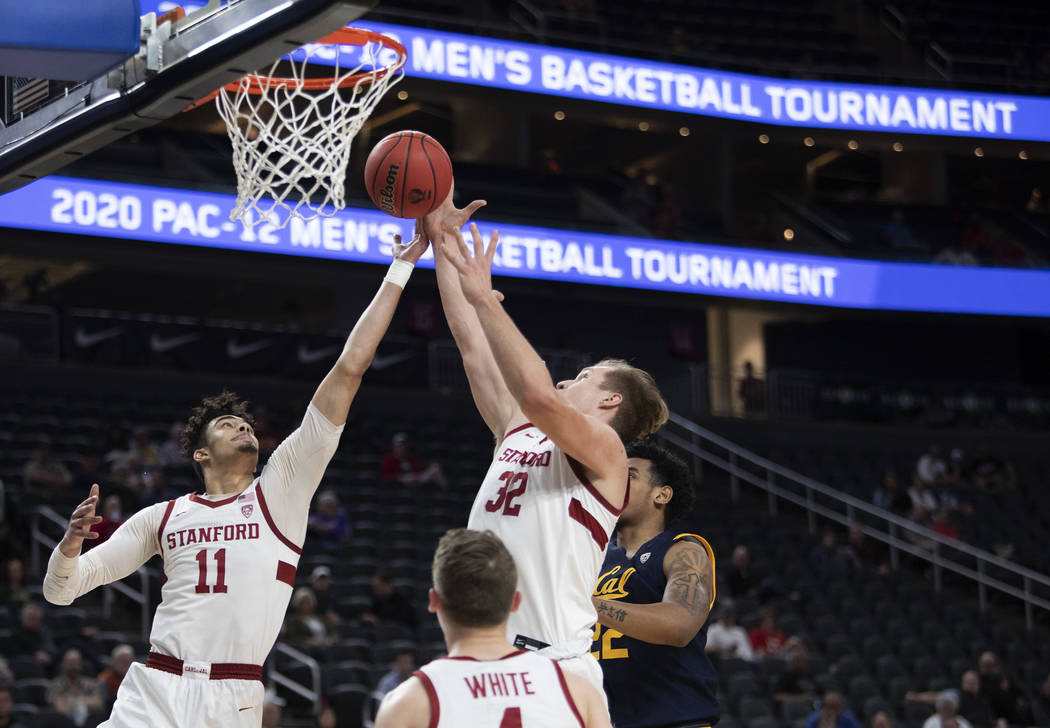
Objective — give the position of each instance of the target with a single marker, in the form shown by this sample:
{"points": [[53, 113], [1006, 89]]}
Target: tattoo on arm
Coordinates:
{"points": [[689, 577], [611, 611]]}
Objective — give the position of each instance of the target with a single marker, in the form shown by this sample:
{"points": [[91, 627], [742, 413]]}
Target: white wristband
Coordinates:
{"points": [[399, 273]]}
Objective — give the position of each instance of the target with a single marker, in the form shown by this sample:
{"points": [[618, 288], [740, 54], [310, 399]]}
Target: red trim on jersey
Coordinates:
{"points": [[507, 656], [217, 670], [579, 514], [273, 526], [577, 470], [286, 573], [163, 523], [519, 428], [432, 696], [568, 695], [214, 504]]}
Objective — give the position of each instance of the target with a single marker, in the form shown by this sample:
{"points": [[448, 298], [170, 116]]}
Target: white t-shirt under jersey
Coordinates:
{"points": [[522, 689], [556, 525], [229, 562]]}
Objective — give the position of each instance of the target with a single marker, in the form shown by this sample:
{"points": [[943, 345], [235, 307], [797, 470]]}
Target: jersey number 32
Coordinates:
{"points": [[514, 485]]}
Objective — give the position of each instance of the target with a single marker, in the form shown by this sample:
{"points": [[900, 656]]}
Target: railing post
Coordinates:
{"points": [[1028, 620], [982, 589], [770, 479], [895, 554], [937, 567], [811, 516], [734, 482]]}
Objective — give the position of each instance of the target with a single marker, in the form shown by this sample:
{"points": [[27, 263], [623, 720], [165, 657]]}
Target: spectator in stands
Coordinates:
{"points": [[922, 497], [881, 719], [402, 465], [321, 582], [329, 523], [13, 592], [143, 449], [832, 713], [991, 472], [947, 715], [304, 625], [1036, 199], [112, 516], [120, 660], [1007, 702], [942, 524], [1041, 703], [727, 639], [89, 472], [32, 637], [975, 236], [401, 669], [6, 703], [865, 553], [740, 580], [71, 693], [752, 390], [766, 639], [389, 605], [6, 676], [931, 467], [171, 449], [44, 478], [824, 555], [796, 682], [890, 496], [970, 701]]}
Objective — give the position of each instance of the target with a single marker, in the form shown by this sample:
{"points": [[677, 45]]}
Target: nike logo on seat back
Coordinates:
{"points": [[85, 339], [236, 350], [160, 344]]}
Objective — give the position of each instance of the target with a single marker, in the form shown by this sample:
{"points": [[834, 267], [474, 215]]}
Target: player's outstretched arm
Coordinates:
{"points": [[586, 439], [70, 575], [588, 701], [688, 598], [406, 706], [491, 396], [340, 385]]}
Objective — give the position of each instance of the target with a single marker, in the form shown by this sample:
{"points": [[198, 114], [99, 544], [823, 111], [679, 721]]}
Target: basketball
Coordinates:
{"points": [[408, 174]]}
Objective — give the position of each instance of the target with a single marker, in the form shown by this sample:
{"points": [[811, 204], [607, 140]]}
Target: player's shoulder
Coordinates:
{"points": [[688, 548], [586, 701], [406, 706]]}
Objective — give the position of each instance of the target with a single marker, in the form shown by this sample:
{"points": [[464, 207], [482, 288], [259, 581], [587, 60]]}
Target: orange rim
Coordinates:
{"points": [[344, 36]]}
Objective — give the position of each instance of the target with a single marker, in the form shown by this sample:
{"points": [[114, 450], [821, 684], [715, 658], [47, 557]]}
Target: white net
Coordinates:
{"points": [[291, 136]]}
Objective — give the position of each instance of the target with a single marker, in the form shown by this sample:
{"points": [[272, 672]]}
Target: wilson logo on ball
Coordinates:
{"points": [[386, 195]]}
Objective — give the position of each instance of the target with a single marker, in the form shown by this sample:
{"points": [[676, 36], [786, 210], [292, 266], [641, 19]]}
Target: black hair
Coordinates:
{"points": [[666, 468], [194, 436]]}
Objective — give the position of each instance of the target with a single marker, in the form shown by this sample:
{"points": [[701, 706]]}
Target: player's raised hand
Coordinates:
{"points": [[448, 218], [412, 252], [475, 269], [80, 524]]}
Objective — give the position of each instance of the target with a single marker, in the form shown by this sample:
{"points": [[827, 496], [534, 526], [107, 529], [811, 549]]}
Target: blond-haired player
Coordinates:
{"points": [[558, 478], [230, 553], [485, 681]]}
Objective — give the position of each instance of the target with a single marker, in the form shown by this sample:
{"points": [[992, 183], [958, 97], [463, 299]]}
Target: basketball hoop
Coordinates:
{"points": [[291, 135]]}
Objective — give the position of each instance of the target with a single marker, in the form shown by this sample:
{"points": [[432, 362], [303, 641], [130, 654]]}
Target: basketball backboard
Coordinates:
{"points": [[178, 62]]}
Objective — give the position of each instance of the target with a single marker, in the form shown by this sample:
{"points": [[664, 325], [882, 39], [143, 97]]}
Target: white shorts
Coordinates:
{"points": [[587, 667], [150, 698]]}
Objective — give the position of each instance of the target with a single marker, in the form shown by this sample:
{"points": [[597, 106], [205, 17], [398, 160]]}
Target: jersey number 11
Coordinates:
{"points": [[202, 572]]}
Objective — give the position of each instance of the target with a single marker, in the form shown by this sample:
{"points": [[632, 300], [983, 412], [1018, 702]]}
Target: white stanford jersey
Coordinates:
{"points": [[556, 525], [521, 690], [229, 563]]}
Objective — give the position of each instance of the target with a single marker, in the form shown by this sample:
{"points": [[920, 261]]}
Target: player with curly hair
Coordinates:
{"points": [[230, 553]]}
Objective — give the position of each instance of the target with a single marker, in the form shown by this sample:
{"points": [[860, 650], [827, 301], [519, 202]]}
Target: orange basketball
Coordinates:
{"points": [[408, 174]]}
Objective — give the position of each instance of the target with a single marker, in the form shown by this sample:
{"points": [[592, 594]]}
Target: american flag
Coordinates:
{"points": [[26, 92]]}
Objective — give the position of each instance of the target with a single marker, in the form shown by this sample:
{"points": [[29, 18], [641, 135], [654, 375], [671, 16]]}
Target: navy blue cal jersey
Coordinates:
{"points": [[652, 685]]}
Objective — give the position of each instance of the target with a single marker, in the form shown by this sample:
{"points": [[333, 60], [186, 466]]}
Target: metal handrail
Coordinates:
{"points": [[279, 678], [141, 595], [895, 524]]}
